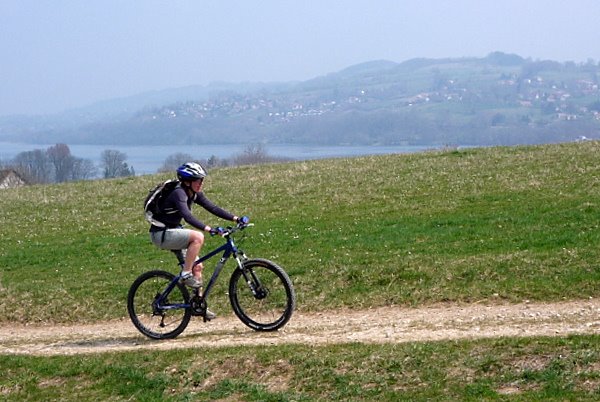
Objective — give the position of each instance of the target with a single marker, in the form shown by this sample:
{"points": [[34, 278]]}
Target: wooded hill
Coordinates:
{"points": [[502, 99]]}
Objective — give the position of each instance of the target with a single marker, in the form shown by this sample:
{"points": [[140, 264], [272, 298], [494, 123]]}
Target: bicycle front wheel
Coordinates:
{"points": [[262, 295], [156, 312]]}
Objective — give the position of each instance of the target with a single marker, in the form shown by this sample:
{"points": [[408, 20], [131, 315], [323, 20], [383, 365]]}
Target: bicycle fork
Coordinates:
{"points": [[256, 287]]}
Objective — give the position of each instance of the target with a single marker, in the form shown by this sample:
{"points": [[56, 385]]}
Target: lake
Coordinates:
{"points": [[147, 159]]}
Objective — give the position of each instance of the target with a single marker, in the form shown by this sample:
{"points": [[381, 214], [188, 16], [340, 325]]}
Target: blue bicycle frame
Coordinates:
{"points": [[228, 249]]}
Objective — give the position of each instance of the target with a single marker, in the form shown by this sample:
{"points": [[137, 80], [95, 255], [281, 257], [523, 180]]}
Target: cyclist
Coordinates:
{"points": [[177, 206]]}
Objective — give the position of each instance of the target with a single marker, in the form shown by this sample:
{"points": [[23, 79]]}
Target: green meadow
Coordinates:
{"points": [[529, 369], [482, 225]]}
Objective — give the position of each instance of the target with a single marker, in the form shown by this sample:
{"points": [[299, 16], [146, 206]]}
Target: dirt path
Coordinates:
{"points": [[381, 325]]}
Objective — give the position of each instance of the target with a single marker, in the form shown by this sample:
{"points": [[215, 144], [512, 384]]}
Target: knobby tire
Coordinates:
{"points": [[272, 308]]}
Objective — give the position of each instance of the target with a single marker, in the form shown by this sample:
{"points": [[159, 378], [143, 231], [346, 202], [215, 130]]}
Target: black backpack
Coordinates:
{"points": [[155, 199]]}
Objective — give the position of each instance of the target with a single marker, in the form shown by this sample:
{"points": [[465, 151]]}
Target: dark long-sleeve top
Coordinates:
{"points": [[177, 206]]}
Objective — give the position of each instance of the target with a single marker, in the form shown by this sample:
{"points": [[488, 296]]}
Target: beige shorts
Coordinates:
{"points": [[171, 239]]}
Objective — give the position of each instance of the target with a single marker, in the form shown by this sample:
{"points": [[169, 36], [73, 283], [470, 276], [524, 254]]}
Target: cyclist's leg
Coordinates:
{"points": [[179, 239], [196, 240]]}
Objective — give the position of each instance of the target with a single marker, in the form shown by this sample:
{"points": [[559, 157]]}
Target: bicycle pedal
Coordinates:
{"points": [[209, 315]]}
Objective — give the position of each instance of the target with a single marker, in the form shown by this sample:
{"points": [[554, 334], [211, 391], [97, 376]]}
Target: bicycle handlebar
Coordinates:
{"points": [[225, 232]]}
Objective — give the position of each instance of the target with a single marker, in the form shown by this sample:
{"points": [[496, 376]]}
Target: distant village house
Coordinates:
{"points": [[10, 179]]}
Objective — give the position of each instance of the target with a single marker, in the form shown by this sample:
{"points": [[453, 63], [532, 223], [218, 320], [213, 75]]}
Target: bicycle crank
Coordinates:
{"points": [[198, 306]]}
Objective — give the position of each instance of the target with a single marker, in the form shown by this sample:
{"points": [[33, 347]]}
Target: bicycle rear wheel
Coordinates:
{"points": [[262, 295], [155, 314]]}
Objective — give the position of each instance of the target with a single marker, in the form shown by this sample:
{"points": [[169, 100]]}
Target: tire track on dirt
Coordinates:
{"points": [[377, 325]]}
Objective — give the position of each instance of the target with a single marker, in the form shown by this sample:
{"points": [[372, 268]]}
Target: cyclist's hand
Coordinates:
{"points": [[244, 220], [217, 231]]}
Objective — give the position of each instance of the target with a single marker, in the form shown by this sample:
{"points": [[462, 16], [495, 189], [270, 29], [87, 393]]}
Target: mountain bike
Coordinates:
{"points": [[260, 292]]}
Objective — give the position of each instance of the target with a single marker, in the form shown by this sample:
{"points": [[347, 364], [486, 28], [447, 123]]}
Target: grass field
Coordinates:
{"points": [[460, 226], [477, 225], [530, 369]]}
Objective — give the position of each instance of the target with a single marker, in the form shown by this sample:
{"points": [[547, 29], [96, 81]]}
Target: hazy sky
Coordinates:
{"points": [[59, 54]]}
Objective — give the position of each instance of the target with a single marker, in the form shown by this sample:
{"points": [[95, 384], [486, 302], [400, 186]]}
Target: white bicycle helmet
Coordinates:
{"points": [[190, 171]]}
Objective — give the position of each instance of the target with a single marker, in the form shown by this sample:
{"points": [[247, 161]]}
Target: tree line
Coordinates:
{"points": [[252, 154], [56, 164]]}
